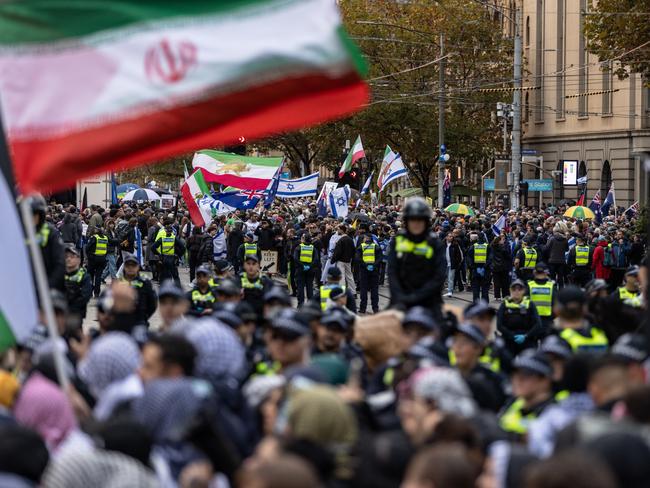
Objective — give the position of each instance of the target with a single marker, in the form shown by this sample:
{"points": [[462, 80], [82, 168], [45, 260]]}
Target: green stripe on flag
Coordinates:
{"points": [[200, 181], [7, 338], [33, 21], [230, 158]]}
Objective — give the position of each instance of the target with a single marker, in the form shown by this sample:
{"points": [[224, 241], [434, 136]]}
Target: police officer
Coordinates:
{"points": [[334, 280], [96, 251], [330, 333], [254, 285], [248, 248], [146, 301], [630, 293], [532, 392], [50, 243], [168, 246], [572, 325], [542, 293], [172, 304], [479, 261], [580, 257], [416, 261], [526, 260], [496, 355], [202, 296], [78, 286], [369, 256], [518, 320], [306, 261], [222, 270]]}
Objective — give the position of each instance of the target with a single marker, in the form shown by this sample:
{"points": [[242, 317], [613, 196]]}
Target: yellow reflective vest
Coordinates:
{"points": [[582, 255], [530, 258], [306, 253], [480, 253], [629, 298], [168, 240], [368, 253], [325, 292], [101, 244], [595, 342], [403, 245], [542, 296]]}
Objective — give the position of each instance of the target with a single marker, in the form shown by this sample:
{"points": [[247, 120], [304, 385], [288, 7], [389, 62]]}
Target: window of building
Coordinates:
{"points": [[607, 87], [582, 64], [605, 180], [559, 62], [582, 169], [539, 62], [559, 184]]}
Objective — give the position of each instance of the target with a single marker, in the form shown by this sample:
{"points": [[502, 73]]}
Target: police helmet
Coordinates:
{"points": [[417, 208]]}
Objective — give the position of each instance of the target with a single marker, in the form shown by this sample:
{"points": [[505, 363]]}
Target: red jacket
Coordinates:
{"points": [[600, 271]]}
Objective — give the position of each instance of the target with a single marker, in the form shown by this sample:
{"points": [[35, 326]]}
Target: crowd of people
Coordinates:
{"points": [[361, 360]]}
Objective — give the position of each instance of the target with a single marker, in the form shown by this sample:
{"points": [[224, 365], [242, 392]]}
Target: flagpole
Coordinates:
{"points": [[44, 291]]}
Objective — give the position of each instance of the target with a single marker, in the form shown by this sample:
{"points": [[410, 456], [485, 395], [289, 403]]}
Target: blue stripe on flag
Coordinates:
{"points": [[295, 193]]}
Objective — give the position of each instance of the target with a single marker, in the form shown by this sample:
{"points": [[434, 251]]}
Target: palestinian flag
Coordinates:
{"points": [[92, 86], [355, 154], [193, 190], [18, 308], [241, 172]]}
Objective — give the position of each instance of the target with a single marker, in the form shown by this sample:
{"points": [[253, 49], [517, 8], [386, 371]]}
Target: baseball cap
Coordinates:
{"points": [[632, 271], [517, 282], [556, 345], [222, 265], [532, 361], [479, 308], [168, 288], [279, 294], [226, 313], [131, 258], [289, 324], [71, 248], [541, 268], [420, 316], [334, 272], [630, 347], [596, 285], [337, 293], [335, 318], [203, 269], [571, 294], [252, 257], [471, 331], [250, 235]]}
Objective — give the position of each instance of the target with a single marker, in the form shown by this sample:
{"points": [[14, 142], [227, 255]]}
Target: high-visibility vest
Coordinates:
{"points": [[43, 235], [250, 250], [406, 246], [629, 298], [250, 285], [368, 253], [480, 253], [306, 253], [325, 292], [513, 420], [76, 277], [582, 255], [101, 245], [487, 360], [597, 340], [167, 247], [198, 297], [135, 283], [530, 258], [522, 307], [542, 297]]}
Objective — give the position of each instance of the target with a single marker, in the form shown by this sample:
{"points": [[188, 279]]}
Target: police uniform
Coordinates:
{"points": [[147, 301], [527, 261], [166, 245], [479, 260], [580, 261], [254, 290], [201, 301], [519, 319], [306, 263], [370, 258], [586, 339], [324, 291], [248, 249], [632, 299], [96, 250], [78, 290], [542, 295]]}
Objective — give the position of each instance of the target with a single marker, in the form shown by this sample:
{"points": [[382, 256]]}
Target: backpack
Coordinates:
{"points": [[608, 257]]}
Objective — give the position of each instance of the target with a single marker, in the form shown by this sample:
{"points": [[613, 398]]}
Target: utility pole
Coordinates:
{"points": [[441, 122], [516, 118]]}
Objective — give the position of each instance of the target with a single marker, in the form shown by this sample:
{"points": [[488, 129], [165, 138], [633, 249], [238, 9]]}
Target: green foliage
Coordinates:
{"points": [[612, 29]]}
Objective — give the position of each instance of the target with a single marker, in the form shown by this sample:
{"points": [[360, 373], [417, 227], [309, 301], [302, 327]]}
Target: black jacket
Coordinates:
{"points": [[344, 251], [555, 248], [501, 257], [265, 238], [455, 255], [54, 258], [70, 229]]}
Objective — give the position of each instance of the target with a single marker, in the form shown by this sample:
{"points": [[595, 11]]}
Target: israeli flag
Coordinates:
{"points": [[298, 188], [499, 225], [339, 199]]}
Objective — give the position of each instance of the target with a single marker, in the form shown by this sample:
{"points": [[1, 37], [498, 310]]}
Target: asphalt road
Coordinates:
{"points": [[459, 299]]}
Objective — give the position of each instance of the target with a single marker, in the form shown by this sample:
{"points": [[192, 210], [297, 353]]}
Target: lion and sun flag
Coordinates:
{"points": [[89, 87]]}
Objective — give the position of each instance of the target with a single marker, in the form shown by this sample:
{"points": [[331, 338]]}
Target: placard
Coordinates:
{"points": [[269, 262]]}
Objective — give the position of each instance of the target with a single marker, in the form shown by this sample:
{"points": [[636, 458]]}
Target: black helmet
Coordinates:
{"points": [[417, 208], [38, 204]]}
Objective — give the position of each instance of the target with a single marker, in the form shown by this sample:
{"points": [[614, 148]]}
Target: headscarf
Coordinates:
{"points": [[220, 354], [99, 469], [112, 357], [43, 407], [446, 388]]}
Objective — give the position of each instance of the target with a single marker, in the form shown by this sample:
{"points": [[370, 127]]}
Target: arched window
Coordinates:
{"points": [[559, 184], [605, 180], [582, 169]]}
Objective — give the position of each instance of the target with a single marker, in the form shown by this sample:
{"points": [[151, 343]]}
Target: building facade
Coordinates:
{"points": [[579, 109]]}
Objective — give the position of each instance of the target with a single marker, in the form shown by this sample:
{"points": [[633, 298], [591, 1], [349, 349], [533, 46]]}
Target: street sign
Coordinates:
{"points": [[545, 184], [529, 152]]}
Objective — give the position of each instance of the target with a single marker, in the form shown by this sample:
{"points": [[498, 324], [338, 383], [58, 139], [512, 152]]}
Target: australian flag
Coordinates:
{"points": [[242, 199], [273, 188], [610, 200], [595, 206]]}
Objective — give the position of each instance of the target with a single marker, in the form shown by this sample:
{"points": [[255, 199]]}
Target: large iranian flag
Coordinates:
{"points": [[90, 86], [242, 172], [193, 189]]}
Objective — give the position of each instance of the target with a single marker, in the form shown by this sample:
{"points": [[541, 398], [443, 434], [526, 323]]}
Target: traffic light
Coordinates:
{"points": [[350, 178]]}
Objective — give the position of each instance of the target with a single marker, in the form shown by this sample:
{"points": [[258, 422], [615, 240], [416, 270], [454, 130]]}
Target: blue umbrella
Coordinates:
{"points": [[141, 195]]}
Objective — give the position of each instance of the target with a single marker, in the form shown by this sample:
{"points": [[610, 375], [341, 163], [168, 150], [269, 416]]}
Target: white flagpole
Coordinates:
{"points": [[44, 292]]}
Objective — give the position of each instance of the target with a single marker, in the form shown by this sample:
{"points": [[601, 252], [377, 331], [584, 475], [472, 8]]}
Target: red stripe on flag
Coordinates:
{"points": [[192, 207], [56, 163]]}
